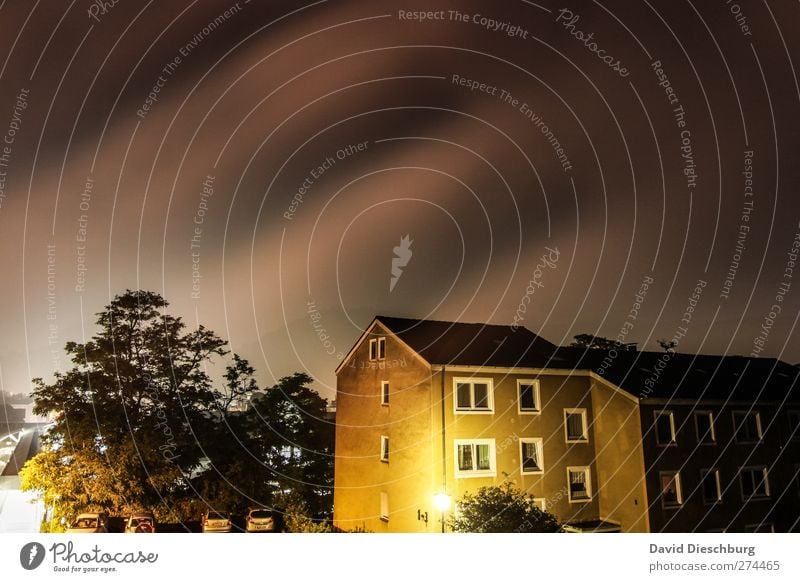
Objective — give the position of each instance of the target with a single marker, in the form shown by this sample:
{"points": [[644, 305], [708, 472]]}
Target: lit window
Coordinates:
{"points": [[665, 427], [747, 426], [385, 449], [528, 396], [540, 502], [704, 423], [377, 348], [385, 393], [671, 493], [475, 458], [575, 425], [794, 425], [754, 482], [473, 395], [384, 506], [580, 484], [532, 458], [709, 480]]}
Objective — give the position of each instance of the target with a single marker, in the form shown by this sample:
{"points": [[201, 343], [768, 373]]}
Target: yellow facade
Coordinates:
{"points": [[396, 495]]}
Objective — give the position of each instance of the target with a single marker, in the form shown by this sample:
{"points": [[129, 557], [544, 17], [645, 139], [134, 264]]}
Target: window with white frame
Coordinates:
{"points": [[579, 480], [665, 427], [747, 426], [385, 449], [531, 456], [475, 458], [794, 425], [704, 425], [384, 393], [671, 491], [754, 483], [473, 395], [377, 348], [528, 397], [540, 502], [384, 506], [575, 425], [710, 485]]}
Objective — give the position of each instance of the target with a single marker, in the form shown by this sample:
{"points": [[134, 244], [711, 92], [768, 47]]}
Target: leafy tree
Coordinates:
{"points": [[501, 509], [594, 342]]}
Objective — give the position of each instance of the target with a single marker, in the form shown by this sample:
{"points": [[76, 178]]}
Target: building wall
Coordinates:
{"points": [[776, 451], [359, 475], [620, 459]]}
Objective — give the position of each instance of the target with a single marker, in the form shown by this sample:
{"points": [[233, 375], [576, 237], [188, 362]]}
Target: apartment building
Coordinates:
{"points": [[606, 441]]}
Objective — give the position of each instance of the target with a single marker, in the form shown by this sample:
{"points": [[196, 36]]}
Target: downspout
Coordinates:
{"points": [[444, 446]]}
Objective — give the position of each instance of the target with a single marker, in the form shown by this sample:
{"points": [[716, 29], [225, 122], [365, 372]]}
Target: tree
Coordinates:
{"points": [[593, 342], [501, 509], [668, 346], [127, 413]]}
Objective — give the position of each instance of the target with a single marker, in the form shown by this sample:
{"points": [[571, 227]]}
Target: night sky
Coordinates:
{"points": [[257, 163]]}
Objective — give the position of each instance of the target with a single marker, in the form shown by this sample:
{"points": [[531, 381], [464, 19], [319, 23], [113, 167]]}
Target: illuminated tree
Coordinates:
{"points": [[501, 509]]}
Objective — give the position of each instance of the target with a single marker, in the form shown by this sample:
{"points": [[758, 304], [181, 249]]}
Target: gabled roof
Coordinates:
{"points": [[641, 374], [471, 344]]}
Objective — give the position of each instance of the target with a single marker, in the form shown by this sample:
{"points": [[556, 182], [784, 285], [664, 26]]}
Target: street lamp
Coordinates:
{"points": [[442, 502]]}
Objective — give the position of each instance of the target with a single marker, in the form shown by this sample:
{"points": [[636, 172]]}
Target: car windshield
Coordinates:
{"points": [[261, 514], [85, 523], [140, 521]]}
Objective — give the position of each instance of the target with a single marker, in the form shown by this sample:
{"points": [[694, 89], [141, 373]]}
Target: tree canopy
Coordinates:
{"points": [[139, 424], [501, 509]]}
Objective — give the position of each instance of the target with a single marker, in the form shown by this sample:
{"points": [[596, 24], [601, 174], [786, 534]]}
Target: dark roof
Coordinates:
{"points": [[471, 344], [690, 376], [642, 374]]}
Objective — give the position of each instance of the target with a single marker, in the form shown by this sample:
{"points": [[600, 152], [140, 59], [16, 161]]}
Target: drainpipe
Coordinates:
{"points": [[444, 446]]}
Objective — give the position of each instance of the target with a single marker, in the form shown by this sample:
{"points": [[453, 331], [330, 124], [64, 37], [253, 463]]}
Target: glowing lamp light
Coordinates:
{"points": [[441, 501]]}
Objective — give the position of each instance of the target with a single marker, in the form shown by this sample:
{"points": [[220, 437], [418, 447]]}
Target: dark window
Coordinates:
{"points": [[704, 421], [665, 428], [381, 348], [710, 484], [577, 484], [464, 397], [481, 395], [576, 429], [385, 393], [754, 482], [671, 494], [747, 426], [373, 349], [531, 461], [527, 398], [384, 448]]}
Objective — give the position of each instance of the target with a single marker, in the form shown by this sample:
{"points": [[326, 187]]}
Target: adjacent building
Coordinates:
{"points": [[617, 440]]}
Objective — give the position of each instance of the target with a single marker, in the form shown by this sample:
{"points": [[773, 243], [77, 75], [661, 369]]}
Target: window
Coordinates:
{"points": [[794, 425], [704, 424], [754, 482], [385, 449], [575, 425], [384, 393], [377, 348], [384, 506], [531, 456], [665, 427], [709, 482], [671, 493], [474, 395], [580, 484], [540, 502], [747, 426], [475, 458], [764, 527], [528, 396]]}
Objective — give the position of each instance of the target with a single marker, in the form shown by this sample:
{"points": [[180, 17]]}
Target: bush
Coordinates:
{"points": [[501, 509]]}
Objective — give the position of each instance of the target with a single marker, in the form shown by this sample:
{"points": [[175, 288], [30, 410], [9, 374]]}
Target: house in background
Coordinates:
{"points": [[430, 408]]}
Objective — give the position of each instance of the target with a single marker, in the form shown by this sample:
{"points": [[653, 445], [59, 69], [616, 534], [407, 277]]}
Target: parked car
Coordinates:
{"points": [[216, 522], [90, 523], [260, 519], [141, 523]]}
